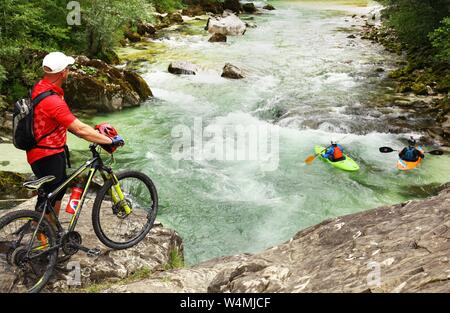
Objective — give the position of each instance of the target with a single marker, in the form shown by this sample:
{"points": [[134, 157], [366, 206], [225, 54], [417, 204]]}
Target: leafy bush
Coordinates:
{"points": [[440, 39], [166, 5], [415, 19], [2, 75], [103, 22]]}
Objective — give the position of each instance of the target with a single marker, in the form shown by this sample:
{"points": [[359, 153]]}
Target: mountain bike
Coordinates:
{"points": [[29, 244]]}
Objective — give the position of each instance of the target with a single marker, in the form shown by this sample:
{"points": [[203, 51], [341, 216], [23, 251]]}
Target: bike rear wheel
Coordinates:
{"points": [[23, 269], [112, 225]]}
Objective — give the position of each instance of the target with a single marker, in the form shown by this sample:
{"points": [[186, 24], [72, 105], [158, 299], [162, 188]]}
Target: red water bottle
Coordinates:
{"points": [[74, 199]]}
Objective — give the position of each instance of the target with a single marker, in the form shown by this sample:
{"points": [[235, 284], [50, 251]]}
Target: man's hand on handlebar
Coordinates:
{"points": [[117, 141]]}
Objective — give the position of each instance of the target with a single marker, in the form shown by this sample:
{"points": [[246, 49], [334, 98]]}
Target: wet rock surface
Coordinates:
{"points": [[233, 72], [183, 68], [218, 38], [399, 248]]}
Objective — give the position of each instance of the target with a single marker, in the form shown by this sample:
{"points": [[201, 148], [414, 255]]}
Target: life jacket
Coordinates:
{"points": [[410, 154], [337, 154]]}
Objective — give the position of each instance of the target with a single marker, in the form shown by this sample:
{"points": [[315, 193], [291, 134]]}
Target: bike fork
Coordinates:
{"points": [[118, 196]]}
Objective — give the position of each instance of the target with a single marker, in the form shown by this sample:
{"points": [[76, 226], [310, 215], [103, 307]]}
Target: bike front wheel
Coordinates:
{"points": [[123, 223], [26, 265]]}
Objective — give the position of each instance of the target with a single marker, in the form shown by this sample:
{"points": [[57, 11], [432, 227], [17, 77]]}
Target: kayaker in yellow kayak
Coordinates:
{"points": [[411, 153], [334, 153]]}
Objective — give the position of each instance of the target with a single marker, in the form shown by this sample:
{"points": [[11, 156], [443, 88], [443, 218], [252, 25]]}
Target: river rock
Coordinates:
{"points": [[11, 185], [430, 91], [153, 253], [218, 38], [132, 36], [144, 28], [183, 68], [200, 7], [249, 7], [269, 7], [407, 244], [175, 18], [232, 5], [97, 85], [228, 26], [231, 71], [137, 83], [193, 10]]}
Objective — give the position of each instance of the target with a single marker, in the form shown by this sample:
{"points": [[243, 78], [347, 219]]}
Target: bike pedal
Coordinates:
{"points": [[93, 253]]}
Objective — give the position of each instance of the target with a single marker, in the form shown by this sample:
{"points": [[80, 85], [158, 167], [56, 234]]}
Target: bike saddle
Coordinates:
{"points": [[36, 184]]}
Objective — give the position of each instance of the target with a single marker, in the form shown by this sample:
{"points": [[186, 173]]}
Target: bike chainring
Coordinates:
{"points": [[70, 241]]}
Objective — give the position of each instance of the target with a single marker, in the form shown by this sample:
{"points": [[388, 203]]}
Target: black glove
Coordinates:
{"points": [[117, 141]]}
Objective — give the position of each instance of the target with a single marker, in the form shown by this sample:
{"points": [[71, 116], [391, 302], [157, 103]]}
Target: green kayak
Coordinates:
{"points": [[347, 165]]}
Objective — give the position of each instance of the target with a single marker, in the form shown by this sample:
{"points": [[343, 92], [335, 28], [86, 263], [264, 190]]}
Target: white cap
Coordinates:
{"points": [[56, 62]]}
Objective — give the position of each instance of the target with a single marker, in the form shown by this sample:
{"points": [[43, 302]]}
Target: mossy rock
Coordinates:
{"points": [[402, 88], [139, 84], [110, 57], [419, 88], [3, 104], [443, 85], [11, 184]]}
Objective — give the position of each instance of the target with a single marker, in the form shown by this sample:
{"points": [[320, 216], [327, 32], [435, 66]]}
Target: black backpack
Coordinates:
{"points": [[23, 121]]}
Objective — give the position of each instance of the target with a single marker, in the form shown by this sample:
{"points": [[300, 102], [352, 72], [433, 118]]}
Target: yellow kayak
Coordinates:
{"points": [[403, 165]]}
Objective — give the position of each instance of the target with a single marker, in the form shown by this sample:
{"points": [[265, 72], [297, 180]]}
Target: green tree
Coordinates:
{"points": [[24, 31], [104, 22], [415, 19], [440, 39], [166, 5]]}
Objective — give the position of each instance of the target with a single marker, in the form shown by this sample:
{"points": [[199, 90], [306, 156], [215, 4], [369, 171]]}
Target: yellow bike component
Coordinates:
{"points": [[121, 197]]}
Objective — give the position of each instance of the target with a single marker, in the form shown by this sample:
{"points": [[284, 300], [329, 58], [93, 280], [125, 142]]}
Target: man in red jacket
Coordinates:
{"points": [[52, 119]]}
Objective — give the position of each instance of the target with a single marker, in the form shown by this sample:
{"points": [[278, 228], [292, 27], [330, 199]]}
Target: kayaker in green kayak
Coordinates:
{"points": [[334, 153]]}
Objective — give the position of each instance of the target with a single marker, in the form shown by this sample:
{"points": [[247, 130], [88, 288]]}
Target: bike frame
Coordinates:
{"points": [[92, 166]]}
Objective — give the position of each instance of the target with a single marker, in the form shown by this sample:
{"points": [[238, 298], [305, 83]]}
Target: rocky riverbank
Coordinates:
{"points": [[399, 248], [425, 88]]}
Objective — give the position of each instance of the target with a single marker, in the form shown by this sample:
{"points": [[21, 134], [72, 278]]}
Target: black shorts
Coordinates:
{"points": [[52, 165]]}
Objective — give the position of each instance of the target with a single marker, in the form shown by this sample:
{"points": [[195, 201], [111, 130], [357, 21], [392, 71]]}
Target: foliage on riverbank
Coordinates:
{"points": [[31, 28], [422, 29]]}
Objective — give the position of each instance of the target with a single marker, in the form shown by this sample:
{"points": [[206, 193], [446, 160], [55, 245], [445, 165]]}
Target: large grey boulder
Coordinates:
{"points": [[183, 68], [230, 25]]}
